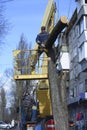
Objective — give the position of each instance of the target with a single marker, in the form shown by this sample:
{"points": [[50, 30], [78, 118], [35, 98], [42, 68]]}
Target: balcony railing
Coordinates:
{"points": [[77, 99]]}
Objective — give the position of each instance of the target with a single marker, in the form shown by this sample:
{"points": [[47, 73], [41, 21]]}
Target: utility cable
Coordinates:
{"points": [[69, 8], [57, 8]]}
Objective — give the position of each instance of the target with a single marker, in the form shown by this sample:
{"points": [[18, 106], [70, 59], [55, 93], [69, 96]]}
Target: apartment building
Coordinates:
{"points": [[72, 57]]}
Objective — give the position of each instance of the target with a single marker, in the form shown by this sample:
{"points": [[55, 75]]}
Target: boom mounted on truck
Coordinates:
{"points": [[20, 73]]}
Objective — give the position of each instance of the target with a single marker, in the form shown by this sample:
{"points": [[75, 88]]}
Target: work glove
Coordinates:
{"points": [[42, 45], [38, 42]]}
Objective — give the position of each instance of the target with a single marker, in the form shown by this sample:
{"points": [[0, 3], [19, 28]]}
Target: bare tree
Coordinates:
{"points": [[8, 72], [10, 107], [3, 103], [23, 63], [4, 24]]}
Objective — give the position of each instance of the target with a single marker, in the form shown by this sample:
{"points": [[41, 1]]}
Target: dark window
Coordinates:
{"points": [[81, 25], [86, 21], [85, 1], [86, 85]]}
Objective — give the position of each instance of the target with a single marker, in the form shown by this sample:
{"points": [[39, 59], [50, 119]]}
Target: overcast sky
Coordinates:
{"points": [[25, 17]]}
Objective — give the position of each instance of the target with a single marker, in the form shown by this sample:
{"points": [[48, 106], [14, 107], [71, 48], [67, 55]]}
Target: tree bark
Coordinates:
{"points": [[59, 109]]}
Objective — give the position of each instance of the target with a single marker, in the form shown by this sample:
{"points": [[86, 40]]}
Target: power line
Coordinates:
{"points": [[69, 9], [58, 12]]}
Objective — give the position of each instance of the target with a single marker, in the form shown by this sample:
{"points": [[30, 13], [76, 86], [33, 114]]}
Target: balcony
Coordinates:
{"points": [[63, 62], [74, 100], [83, 66], [63, 58], [83, 57]]}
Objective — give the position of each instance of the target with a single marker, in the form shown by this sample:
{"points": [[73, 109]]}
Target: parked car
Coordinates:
{"points": [[4, 125]]}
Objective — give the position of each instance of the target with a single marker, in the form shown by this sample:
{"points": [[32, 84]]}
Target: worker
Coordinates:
{"points": [[80, 121], [34, 112], [41, 39]]}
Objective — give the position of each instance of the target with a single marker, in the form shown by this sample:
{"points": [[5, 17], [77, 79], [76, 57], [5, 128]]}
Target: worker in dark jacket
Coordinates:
{"points": [[41, 39]]}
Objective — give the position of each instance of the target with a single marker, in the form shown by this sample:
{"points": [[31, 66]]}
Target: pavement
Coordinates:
{"points": [[15, 128]]}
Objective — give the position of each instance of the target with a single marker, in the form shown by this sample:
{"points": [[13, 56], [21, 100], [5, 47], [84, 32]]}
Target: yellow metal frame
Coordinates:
{"points": [[48, 21], [31, 77]]}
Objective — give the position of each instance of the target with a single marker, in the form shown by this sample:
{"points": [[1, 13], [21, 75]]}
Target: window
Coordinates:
{"points": [[71, 93], [81, 52], [81, 25], [71, 75], [74, 52], [86, 1], [81, 88], [86, 22], [75, 91], [86, 85], [75, 32]]}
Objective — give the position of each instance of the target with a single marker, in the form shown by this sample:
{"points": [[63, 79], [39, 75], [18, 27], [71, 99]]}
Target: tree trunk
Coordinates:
{"points": [[58, 101], [61, 24]]}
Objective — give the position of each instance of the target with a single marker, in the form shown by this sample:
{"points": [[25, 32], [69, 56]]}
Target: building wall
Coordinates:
{"points": [[76, 37], [77, 40]]}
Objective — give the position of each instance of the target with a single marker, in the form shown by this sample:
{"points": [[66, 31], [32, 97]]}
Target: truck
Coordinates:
{"points": [[40, 116]]}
